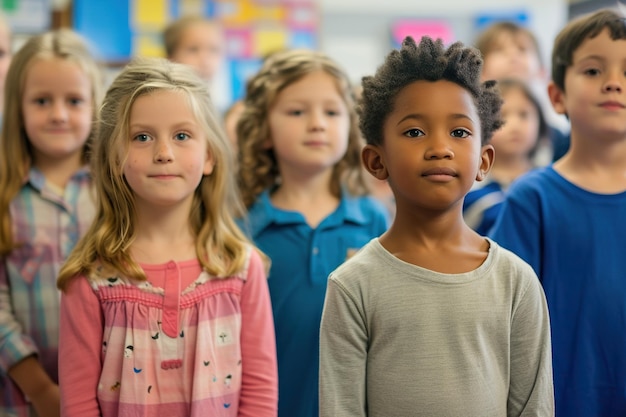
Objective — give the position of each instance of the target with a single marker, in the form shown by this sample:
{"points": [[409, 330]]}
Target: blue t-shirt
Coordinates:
{"points": [[302, 258], [482, 205], [576, 242]]}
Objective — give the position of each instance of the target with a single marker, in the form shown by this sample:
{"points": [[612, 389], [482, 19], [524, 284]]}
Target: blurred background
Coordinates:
{"points": [[357, 33]]}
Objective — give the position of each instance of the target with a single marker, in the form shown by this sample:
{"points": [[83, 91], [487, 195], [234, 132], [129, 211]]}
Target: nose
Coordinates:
{"points": [[58, 112], [317, 120], [163, 152], [613, 84], [438, 148]]}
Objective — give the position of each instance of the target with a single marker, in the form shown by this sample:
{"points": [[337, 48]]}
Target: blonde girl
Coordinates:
{"points": [[302, 181], [52, 91], [165, 307]]}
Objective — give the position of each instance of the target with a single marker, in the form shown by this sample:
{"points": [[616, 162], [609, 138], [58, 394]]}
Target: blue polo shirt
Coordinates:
{"points": [[302, 258]]}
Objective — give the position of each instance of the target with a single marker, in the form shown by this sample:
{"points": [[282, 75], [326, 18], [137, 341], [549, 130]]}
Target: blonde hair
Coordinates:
{"points": [[221, 247], [175, 31], [15, 149], [258, 169]]}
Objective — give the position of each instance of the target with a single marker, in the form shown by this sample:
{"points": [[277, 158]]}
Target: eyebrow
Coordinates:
{"points": [[417, 116]]}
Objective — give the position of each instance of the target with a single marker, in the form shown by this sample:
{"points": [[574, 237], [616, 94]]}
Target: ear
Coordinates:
{"points": [[557, 98], [487, 156], [374, 162], [209, 163]]}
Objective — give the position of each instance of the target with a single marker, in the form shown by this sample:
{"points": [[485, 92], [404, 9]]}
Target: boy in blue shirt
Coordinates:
{"points": [[568, 220]]}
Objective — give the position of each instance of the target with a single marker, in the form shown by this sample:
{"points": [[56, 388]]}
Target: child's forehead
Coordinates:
{"points": [[509, 37]]}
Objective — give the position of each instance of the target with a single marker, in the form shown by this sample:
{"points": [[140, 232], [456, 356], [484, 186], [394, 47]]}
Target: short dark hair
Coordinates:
{"points": [[576, 32], [428, 61]]}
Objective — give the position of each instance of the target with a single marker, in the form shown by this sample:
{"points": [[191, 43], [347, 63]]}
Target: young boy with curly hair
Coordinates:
{"points": [[431, 319], [568, 220]]}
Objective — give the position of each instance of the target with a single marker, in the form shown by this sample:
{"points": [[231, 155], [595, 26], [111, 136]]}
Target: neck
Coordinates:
{"points": [[162, 235], [59, 171]]}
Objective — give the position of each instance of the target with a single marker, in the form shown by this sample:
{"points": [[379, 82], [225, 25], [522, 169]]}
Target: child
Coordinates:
{"points": [[432, 319], [165, 308], [301, 178], [568, 220], [5, 56], [515, 144], [52, 92], [512, 51], [195, 41]]}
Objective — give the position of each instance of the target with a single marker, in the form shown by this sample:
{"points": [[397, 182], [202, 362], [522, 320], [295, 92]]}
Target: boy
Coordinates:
{"points": [[512, 51], [569, 220], [432, 319]]}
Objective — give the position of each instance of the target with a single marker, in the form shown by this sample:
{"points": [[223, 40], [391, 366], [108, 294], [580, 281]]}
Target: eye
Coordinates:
{"points": [[592, 71], [182, 136], [332, 113], [460, 133], [142, 137], [413, 133], [76, 101], [295, 112], [41, 101]]}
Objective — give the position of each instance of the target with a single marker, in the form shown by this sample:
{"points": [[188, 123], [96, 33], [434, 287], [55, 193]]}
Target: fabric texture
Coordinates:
{"points": [[181, 343], [47, 225], [302, 258], [400, 340], [574, 240]]}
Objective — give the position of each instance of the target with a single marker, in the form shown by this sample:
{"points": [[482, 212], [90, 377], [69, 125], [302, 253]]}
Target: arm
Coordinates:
{"points": [[80, 346], [531, 391], [343, 355], [259, 387], [18, 356]]}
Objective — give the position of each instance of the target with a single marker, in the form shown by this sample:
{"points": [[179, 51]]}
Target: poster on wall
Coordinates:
{"points": [[27, 16], [253, 29]]}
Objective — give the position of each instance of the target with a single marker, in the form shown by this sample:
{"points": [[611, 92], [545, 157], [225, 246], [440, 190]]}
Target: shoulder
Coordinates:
{"points": [[509, 268], [367, 262]]}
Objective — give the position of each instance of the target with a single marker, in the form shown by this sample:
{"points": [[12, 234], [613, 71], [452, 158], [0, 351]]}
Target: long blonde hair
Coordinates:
{"points": [[220, 246], [258, 168], [15, 149]]}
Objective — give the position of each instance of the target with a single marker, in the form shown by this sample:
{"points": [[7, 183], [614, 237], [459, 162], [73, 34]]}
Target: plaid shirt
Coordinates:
{"points": [[47, 226]]}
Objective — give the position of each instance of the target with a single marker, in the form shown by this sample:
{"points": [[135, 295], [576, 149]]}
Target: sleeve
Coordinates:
{"points": [[531, 391], [259, 388], [15, 345], [518, 226], [343, 355], [80, 346]]}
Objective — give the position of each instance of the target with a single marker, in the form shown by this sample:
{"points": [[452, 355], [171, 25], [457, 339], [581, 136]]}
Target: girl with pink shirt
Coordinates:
{"points": [[165, 307]]}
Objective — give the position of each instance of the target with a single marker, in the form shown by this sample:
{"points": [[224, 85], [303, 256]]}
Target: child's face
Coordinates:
{"points": [[201, 47], [57, 107], [309, 124], [595, 83], [5, 55], [519, 134], [168, 152], [512, 56], [431, 152]]}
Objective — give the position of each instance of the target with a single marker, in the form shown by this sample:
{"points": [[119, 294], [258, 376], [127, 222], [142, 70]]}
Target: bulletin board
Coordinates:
{"points": [[121, 29], [27, 16]]}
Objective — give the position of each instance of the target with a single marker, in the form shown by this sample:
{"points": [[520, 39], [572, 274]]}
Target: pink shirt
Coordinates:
{"points": [[179, 343]]}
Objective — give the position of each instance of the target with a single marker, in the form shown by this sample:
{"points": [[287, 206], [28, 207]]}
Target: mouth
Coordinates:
{"points": [[439, 174], [612, 105]]}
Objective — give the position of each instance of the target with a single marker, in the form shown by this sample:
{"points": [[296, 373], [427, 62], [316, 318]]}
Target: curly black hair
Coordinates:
{"points": [[429, 61]]}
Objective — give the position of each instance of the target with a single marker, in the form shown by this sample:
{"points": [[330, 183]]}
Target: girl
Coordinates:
{"points": [[515, 144], [165, 308], [302, 181], [52, 91]]}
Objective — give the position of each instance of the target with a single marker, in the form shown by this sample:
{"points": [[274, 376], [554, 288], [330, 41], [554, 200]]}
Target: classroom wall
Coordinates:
{"points": [[357, 32]]}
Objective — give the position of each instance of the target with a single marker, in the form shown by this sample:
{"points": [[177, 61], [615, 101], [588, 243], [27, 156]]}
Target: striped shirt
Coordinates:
{"points": [[47, 222]]}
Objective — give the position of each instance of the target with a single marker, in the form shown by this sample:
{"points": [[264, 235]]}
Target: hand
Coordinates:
{"points": [[47, 402]]}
